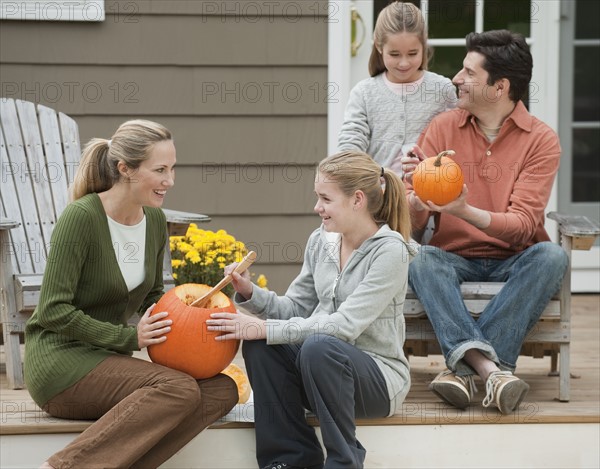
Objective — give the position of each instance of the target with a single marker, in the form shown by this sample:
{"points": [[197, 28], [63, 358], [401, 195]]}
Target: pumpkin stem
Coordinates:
{"points": [[438, 159]]}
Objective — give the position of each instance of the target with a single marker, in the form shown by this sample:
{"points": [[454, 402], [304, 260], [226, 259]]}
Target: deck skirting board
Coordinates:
{"points": [[399, 446]]}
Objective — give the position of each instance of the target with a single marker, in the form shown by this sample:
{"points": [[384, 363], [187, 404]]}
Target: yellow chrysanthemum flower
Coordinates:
{"points": [[184, 247], [261, 281], [191, 254]]}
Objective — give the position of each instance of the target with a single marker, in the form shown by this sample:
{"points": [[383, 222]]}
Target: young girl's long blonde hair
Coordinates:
{"points": [[384, 190], [131, 144], [397, 17]]}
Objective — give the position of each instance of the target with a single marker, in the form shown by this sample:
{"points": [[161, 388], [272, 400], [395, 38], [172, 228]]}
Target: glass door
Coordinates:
{"points": [[579, 127], [579, 124]]}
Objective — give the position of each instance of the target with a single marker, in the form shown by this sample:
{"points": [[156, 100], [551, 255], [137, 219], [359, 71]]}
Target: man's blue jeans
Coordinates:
{"points": [[532, 277]]}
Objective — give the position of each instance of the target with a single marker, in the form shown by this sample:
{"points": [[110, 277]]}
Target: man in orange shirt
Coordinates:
{"points": [[494, 231]]}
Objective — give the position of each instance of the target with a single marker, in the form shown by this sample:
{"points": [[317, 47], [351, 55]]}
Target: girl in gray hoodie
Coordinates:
{"points": [[333, 343]]}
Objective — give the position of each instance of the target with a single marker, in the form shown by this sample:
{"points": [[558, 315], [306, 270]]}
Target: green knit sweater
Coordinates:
{"points": [[81, 318]]}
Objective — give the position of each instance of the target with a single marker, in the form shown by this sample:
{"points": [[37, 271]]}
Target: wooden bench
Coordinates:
{"points": [[40, 152], [551, 336]]}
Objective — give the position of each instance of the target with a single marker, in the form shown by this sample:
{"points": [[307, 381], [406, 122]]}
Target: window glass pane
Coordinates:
{"points": [[586, 98], [507, 14], [451, 18], [586, 165], [447, 61], [586, 24]]}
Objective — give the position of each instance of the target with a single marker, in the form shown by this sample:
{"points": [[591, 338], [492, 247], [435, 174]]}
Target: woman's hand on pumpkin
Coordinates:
{"points": [[152, 329], [238, 326]]}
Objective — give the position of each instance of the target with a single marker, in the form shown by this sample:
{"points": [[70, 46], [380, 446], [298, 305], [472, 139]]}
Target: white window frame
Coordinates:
{"points": [[52, 10]]}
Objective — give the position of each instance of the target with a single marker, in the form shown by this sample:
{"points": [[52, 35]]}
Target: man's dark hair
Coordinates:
{"points": [[507, 56]]}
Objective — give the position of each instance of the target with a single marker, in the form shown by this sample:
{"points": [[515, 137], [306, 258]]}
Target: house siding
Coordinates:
{"points": [[242, 86]]}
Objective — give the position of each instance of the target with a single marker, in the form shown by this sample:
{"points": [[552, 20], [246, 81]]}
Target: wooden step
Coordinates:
{"points": [[542, 433]]}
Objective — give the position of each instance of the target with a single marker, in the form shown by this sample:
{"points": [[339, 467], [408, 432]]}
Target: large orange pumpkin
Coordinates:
{"points": [[438, 179], [190, 347]]}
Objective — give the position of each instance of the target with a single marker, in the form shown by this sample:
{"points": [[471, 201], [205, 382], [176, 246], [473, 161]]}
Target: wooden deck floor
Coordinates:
{"points": [[20, 415]]}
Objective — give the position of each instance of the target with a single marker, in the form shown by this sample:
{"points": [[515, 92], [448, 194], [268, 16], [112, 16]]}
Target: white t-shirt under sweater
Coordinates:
{"points": [[129, 243], [379, 121], [403, 88]]}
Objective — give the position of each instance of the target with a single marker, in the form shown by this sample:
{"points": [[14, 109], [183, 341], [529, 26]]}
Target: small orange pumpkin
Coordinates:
{"points": [[190, 347], [241, 381], [438, 179]]}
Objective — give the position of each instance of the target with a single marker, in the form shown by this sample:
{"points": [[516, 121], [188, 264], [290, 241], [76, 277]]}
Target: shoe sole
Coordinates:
{"points": [[451, 394], [511, 395]]}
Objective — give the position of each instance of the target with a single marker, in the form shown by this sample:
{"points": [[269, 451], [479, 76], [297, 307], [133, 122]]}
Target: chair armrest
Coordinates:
{"points": [[583, 230], [178, 222], [6, 224]]}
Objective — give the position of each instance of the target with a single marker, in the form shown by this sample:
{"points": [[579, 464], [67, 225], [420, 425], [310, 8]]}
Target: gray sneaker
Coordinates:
{"points": [[505, 391], [455, 390]]}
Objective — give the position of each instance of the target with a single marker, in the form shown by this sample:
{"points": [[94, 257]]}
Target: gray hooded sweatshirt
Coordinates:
{"points": [[361, 305]]}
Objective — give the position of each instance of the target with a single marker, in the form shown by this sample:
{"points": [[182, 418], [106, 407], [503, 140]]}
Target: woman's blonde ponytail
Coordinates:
{"points": [[96, 172]]}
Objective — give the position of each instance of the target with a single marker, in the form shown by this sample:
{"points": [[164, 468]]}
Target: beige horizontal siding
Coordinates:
{"points": [[241, 190], [135, 90], [277, 239], [242, 139], [168, 40], [242, 10], [278, 276]]}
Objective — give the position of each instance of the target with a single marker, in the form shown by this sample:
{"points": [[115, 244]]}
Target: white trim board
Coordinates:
{"points": [[52, 10], [395, 446]]}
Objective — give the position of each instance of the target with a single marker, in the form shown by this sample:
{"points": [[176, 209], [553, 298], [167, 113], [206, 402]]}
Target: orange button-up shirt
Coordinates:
{"points": [[510, 177]]}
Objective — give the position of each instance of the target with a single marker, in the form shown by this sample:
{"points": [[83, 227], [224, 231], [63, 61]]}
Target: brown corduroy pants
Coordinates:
{"points": [[145, 413]]}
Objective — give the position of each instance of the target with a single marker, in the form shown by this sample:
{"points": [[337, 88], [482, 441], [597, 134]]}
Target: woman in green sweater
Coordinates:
{"points": [[105, 264]]}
